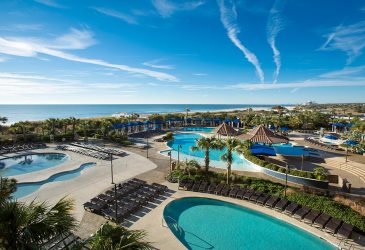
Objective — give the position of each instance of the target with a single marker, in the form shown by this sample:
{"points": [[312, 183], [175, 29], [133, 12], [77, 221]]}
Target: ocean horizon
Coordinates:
{"points": [[37, 112]]}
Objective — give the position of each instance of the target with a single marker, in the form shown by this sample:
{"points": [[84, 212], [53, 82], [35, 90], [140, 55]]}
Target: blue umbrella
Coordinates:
{"points": [[351, 142]]}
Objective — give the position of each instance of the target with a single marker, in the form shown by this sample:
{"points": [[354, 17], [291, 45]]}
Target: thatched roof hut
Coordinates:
{"points": [[261, 134], [225, 130]]}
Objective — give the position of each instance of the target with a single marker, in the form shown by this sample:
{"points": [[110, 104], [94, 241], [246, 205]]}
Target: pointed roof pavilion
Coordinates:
{"points": [[261, 134], [225, 130]]}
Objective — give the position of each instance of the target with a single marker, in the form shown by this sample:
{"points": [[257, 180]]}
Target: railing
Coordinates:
{"points": [[180, 230]]}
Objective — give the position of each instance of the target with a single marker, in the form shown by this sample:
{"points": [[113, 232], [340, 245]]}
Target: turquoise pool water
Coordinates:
{"points": [[289, 149], [30, 163], [198, 129], [189, 139], [201, 223], [24, 189]]}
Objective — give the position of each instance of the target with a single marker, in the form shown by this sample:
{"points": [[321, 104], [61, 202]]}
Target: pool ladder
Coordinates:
{"points": [[176, 224]]}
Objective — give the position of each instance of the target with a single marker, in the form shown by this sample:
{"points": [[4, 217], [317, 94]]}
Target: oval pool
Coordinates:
{"points": [[24, 164], [201, 223]]}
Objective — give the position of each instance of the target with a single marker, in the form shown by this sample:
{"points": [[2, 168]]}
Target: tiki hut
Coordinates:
{"points": [[225, 130], [261, 134]]}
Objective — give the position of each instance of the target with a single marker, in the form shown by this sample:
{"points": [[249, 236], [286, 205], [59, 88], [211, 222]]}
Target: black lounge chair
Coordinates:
{"points": [[333, 225], [281, 205], [161, 188], [291, 208], [234, 191], [271, 202], [218, 188], [345, 231], [311, 216], [203, 187], [196, 186], [225, 191], [241, 193], [263, 198], [248, 194], [182, 183], [93, 207], [212, 188], [322, 220], [255, 196], [301, 212], [189, 185]]}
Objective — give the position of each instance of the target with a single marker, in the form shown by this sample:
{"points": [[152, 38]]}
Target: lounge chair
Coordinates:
{"points": [[241, 193], [218, 188], [203, 187], [255, 196], [263, 198], [234, 191], [345, 231], [281, 205], [212, 188], [196, 186], [333, 225], [301, 212], [291, 208], [271, 202], [322, 220], [189, 185], [182, 183], [225, 191], [311, 216], [248, 194]]}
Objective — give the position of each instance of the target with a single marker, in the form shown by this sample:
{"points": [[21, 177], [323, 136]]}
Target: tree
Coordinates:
{"points": [[52, 124], [3, 119], [7, 187], [117, 237], [207, 144], [104, 127], [23, 127], [232, 145], [74, 122]]}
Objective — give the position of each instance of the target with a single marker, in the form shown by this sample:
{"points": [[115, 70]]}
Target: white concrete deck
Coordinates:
{"points": [[91, 182], [163, 238]]}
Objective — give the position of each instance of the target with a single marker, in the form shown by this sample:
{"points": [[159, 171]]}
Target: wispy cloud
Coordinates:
{"points": [[156, 64], [166, 7], [21, 27], [29, 77], [50, 3], [26, 47], [345, 72], [229, 20], [273, 27], [3, 59], [113, 13], [200, 74], [347, 38]]}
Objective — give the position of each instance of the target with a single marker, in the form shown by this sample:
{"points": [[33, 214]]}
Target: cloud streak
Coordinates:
{"points": [[167, 8], [349, 39], [50, 3], [229, 19], [273, 27], [155, 64], [116, 14], [76, 39]]}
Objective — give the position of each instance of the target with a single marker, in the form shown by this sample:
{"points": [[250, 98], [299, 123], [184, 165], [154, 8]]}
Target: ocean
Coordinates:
{"points": [[16, 113]]}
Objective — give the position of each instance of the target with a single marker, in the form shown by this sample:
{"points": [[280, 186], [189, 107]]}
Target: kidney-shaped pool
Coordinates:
{"points": [[201, 223]]}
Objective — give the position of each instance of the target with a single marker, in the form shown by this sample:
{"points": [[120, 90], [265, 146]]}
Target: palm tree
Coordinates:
{"points": [[187, 110], [207, 144], [3, 119], [232, 145], [118, 237], [7, 187], [85, 124], [52, 124], [74, 121], [104, 127], [23, 127]]}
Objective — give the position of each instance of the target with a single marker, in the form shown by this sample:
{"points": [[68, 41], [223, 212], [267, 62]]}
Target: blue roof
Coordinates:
{"points": [[351, 142], [284, 129], [227, 120], [262, 150], [331, 137], [236, 120]]}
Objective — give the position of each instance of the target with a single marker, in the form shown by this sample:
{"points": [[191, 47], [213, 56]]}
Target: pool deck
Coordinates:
{"points": [[163, 238], [90, 183]]}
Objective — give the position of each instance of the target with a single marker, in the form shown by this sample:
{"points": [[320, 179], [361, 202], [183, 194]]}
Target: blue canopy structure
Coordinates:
{"points": [[189, 119], [258, 149], [331, 137], [208, 119], [227, 120], [197, 119], [236, 120], [351, 142], [338, 124], [284, 129]]}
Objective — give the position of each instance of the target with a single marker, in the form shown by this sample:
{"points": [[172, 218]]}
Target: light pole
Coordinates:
{"points": [[116, 203], [286, 178], [169, 154], [347, 151], [178, 155], [111, 167], [147, 146]]}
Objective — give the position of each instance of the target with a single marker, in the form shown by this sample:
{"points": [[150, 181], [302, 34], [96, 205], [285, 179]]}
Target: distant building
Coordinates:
{"points": [[309, 103]]}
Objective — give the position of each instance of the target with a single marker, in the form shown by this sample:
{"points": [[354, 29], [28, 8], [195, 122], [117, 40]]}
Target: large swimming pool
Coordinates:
{"points": [[291, 150], [187, 140], [198, 129], [24, 189], [30, 163], [201, 223]]}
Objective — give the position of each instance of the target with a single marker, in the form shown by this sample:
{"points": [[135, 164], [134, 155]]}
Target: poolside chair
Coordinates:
{"points": [[248, 194], [271, 202], [211, 188], [218, 188], [301, 212], [255, 196], [291, 208], [203, 187], [322, 220], [241, 193], [345, 231], [311, 216], [196, 186], [333, 225], [234, 191], [281, 205], [225, 191], [263, 198], [189, 185]]}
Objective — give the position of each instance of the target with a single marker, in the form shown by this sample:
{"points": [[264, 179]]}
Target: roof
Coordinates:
{"points": [[225, 130], [261, 134]]}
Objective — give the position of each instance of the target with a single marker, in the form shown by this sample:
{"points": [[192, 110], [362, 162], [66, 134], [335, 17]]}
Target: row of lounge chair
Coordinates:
{"points": [[128, 198], [60, 242], [323, 145], [109, 150], [310, 216], [84, 151], [21, 147], [148, 133]]}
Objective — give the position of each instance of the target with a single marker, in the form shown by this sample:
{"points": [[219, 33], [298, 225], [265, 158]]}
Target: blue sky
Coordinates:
{"points": [[196, 51]]}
